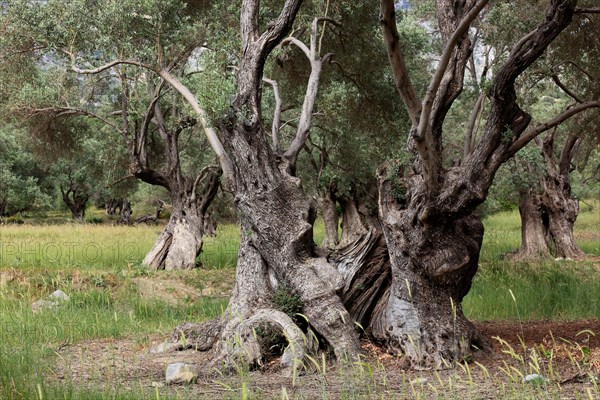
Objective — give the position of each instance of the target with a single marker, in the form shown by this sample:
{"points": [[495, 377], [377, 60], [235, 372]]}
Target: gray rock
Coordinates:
{"points": [[59, 295], [419, 381], [41, 305], [534, 378], [181, 373]]}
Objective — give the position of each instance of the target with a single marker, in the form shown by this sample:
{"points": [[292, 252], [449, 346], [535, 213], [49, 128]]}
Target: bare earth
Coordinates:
{"points": [[567, 354]]}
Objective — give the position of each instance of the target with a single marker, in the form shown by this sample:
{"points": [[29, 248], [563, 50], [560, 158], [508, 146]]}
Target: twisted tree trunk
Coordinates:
{"points": [[562, 211], [125, 213], [547, 220], [279, 217], [433, 263], [534, 228], [558, 203], [76, 200], [181, 240]]}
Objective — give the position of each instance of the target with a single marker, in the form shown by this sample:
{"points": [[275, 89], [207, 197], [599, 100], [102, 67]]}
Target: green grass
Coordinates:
{"points": [[542, 290], [98, 265]]}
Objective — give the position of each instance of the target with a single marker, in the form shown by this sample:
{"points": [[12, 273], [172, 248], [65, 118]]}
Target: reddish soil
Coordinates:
{"points": [[584, 332], [567, 354]]}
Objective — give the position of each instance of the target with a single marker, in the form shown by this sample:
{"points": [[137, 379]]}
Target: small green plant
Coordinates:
{"points": [[287, 302]]}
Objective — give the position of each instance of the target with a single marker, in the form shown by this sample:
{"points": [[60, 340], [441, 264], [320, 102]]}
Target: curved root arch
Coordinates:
{"points": [[241, 339], [238, 341]]}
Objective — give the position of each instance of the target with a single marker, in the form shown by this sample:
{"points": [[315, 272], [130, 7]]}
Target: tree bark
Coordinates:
{"points": [[276, 216], [534, 228], [353, 227], [279, 218], [559, 205], [125, 213], [548, 219]]}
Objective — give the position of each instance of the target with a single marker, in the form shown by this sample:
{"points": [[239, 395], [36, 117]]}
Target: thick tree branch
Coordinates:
{"points": [[209, 131], [312, 88], [590, 10], [566, 156], [298, 43], [255, 52], [387, 19], [527, 136], [507, 120]]}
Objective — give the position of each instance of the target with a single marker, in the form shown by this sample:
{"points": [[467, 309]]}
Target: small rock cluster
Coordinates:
{"points": [[56, 299]]}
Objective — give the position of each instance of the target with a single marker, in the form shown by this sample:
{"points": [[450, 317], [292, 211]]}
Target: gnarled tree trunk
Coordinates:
{"points": [[276, 216], [279, 218], [181, 240], [76, 200], [547, 219], [534, 228], [558, 204], [433, 264], [125, 213], [562, 211]]}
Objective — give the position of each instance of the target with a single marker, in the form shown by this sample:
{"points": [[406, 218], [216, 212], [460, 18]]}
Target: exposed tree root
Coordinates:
{"points": [[241, 341]]}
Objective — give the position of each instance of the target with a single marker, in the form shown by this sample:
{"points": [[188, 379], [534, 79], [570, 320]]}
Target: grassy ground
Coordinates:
{"points": [[113, 298]]}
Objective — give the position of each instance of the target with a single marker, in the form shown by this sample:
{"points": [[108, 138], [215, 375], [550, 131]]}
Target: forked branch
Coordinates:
{"points": [[312, 89]]}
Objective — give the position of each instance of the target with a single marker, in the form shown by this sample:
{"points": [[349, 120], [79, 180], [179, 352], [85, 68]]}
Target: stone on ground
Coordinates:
{"points": [[59, 295], [179, 373]]}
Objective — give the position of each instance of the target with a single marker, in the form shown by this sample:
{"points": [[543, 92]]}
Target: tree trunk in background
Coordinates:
{"points": [[557, 201], [547, 220], [327, 203], [125, 213], [3, 204], [112, 205], [75, 201], [181, 240], [534, 228], [352, 223], [562, 211]]}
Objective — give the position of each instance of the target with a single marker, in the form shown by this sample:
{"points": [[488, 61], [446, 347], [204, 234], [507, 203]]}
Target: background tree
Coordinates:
{"points": [[136, 39], [24, 184]]}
